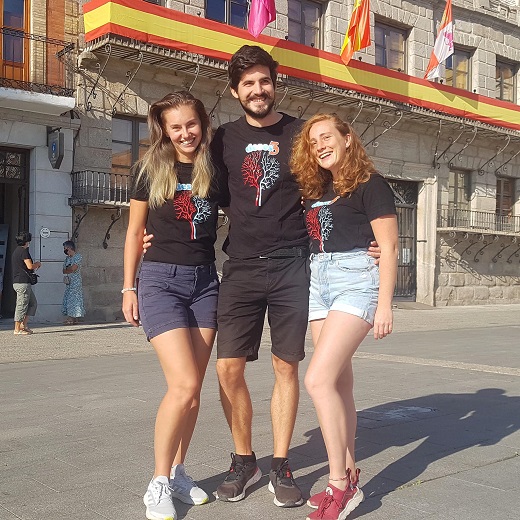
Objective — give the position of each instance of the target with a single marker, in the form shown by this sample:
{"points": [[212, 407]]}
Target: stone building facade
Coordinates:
{"points": [[456, 179], [37, 55], [427, 157]]}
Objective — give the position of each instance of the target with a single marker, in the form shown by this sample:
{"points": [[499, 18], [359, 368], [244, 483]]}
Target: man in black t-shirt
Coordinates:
{"points": [[267, 270]]}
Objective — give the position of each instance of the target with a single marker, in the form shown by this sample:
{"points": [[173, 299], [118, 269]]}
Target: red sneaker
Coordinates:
{"points": [[335, 503], [314, 500]]}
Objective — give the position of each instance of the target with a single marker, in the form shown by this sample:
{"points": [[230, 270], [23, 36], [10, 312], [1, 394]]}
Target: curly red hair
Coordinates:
{"points": [[312, 178]]}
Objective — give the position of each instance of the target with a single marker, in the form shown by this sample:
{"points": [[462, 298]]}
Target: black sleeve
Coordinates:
{"points": [[140, 189], [26, 256], [221, 171], [378, 198]]}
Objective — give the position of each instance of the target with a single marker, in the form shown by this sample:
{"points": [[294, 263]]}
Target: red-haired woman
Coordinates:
{"points": [[348, 204]]}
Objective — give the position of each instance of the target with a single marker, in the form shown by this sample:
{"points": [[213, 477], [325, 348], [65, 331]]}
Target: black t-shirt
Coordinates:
{"points": [[337, 224], [185, 227], [265, 202], [20, 271]]}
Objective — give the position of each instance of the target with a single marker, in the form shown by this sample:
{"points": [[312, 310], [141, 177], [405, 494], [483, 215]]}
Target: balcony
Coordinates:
{"points": [[480, 222], [36, 72], [100, 189]]}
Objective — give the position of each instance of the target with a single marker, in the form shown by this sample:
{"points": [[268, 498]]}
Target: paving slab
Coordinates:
{"points": [[438, 430]]}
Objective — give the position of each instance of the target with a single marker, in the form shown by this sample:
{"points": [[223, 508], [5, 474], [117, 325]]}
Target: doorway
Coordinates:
{"points": [[14, 215], [405, 197]]}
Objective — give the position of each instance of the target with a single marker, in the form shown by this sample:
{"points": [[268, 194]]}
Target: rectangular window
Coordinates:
{"points": [[458, 69], [505, 197], [14, 46], [458, 188], [231, 12], [390, 45], [130, 140], [305, 22], [505, 86]]}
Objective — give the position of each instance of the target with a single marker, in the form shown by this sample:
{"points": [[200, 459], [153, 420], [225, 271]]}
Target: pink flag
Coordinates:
{"points": [[443, 44], [261, 13]]}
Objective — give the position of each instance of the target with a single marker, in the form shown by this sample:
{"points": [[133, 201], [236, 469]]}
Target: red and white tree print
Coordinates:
{"points": [[319, 224], [192, 209], [260, 171]]}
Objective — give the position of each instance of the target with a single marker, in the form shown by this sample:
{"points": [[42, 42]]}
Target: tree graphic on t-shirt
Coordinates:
{"points": [[319, 224], [260, 171], [202, 214], [193, 209]]}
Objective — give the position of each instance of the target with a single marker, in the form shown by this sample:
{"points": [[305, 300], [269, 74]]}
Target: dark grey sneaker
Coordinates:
{"points": [[282, 484], [241, 476]]}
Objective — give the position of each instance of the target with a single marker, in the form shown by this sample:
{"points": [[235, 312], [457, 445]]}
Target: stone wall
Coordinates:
{"points": [[405, 152], [477, 269]]}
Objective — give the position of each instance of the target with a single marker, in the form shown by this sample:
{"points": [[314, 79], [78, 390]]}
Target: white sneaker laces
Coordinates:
{"points": [[157, 490]]}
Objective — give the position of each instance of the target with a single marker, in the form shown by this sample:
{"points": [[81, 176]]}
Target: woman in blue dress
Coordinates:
{"points": [[72, 307]]}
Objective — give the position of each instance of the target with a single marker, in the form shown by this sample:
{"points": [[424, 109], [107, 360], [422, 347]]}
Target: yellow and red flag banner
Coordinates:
{"points": [[358, 32], [149, 25], [443, 47]]}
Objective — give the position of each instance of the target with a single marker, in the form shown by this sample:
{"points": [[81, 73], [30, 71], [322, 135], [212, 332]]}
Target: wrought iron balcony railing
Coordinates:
{"points": [[100, 188], [477, 221], [36, 63]]}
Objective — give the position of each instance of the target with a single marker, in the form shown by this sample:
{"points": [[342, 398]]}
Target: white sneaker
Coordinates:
{"points": [[158, 500], [185, 489]]}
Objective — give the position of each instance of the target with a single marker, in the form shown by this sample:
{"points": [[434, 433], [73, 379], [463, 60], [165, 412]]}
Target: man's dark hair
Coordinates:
{"points": [[69, 244], [23, 237], [246, 57]]}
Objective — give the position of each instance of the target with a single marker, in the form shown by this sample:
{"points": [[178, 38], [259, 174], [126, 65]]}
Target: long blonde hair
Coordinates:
{"points": [[312, 178], [157, 169]]}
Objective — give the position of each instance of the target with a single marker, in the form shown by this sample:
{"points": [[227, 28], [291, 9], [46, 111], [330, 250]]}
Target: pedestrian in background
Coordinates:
{"points": [[347, 205], [23, 266], [72, 307], [176, 200]]}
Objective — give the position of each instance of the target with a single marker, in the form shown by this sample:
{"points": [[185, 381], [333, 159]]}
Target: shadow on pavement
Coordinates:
{"points": [[445, 424]]}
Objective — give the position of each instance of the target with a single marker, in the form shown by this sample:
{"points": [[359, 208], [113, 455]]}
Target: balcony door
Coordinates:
{"points": [[14, 57]]}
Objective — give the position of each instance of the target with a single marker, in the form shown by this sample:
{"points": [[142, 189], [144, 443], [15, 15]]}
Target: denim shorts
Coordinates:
{"points": [[174, 296], [346, 282]]}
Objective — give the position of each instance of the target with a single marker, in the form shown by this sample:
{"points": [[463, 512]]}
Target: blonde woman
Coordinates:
{"points": [[175, 199], [347, 205]]}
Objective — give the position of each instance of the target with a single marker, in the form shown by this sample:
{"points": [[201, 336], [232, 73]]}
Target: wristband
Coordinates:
{"points": [[126, 289]]}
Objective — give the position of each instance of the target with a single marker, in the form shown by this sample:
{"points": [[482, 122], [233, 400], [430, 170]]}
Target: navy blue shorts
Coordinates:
{"points": [[177, 296]]}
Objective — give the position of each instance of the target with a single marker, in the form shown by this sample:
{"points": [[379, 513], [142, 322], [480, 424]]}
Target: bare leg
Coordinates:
{"points": [[202, 342], [175, 353], [345, 387], [336, 340], [236, 402], [284, 404]]}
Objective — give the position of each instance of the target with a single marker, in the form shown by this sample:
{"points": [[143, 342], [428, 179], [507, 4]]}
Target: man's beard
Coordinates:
{"points": [[266, 109]]}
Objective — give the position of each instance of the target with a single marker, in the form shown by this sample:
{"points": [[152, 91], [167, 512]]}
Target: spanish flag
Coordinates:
{"points": [[358, 32]]}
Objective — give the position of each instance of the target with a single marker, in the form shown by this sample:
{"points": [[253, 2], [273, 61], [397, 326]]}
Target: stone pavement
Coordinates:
{"points": [[438, 433]]}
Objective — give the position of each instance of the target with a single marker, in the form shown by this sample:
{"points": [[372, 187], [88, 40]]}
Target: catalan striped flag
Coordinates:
{"points": [[443, 47], [358, 32]]}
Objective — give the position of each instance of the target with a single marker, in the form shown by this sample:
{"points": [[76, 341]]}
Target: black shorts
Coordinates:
{"points": [[247, 290]]}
